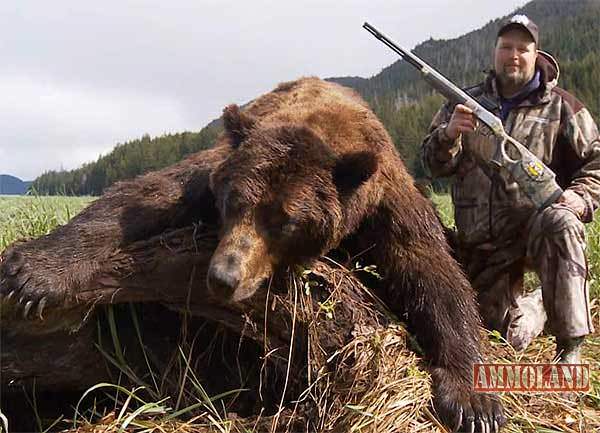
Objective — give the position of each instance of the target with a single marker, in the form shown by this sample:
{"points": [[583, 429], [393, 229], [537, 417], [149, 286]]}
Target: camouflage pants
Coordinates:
{"points": [[553, 245]]}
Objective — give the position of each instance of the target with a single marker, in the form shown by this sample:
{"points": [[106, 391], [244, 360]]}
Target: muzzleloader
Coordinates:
{"points": [[511, 158]]}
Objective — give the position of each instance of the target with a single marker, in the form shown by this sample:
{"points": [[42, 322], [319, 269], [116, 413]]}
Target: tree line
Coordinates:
{"points": [[126, 161]]}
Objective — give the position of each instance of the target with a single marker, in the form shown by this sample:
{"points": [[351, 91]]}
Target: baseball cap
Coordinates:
{"points": [[523, 22]]}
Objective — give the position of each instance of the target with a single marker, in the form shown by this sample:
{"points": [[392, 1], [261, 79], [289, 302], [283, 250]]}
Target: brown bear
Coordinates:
{"points": [[301, 170]]}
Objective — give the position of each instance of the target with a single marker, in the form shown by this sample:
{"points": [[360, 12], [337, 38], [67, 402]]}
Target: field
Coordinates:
{"points": [[27, 217], [23, 217]]}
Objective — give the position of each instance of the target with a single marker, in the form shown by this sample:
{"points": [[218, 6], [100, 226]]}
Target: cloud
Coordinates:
{"points": [[45, 124]]}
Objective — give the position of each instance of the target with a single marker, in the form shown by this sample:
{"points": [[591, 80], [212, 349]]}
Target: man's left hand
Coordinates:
{"points": [[573, 201]]}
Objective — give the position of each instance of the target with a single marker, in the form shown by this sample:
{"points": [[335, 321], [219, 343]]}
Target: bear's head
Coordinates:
{"points": [[284, 198]]}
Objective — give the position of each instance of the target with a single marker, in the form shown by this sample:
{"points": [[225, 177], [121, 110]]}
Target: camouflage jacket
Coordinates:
{"points": [[551, 123]]}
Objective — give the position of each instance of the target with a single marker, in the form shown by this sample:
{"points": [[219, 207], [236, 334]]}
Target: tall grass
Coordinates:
{"points": [[23, 217], [151, 403]]}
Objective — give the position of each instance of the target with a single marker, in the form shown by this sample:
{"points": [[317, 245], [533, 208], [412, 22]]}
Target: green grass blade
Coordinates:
{"points": [[100, 386]]}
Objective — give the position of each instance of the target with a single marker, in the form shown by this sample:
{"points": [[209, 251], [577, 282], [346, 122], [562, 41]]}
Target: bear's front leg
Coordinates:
{"points": [[53, 272], [29, 285], [439, 308], [444, 322], [427, 289]]}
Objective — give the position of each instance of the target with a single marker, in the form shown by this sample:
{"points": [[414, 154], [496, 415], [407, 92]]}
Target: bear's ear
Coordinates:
{"points": [[237, 124], [352, 169]]}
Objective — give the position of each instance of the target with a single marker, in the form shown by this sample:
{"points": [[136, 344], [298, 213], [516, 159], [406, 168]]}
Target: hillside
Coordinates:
{"points": [[569, 33], [11, 185], [406, 104], [401, 99]]}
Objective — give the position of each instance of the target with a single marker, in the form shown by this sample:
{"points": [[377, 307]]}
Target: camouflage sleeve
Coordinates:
{"points": [[580, 130], [440, 154]]}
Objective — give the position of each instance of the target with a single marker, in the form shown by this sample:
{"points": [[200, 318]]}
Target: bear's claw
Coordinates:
{"points": [[483, 420], [18, 290], [27, 308], [460, 417], [40, 308], [28, 305], [9, 296], [464, 410]]}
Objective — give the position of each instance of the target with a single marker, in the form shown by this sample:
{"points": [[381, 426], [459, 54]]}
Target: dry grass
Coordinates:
{"points": [[534, 412], [375, 384]]}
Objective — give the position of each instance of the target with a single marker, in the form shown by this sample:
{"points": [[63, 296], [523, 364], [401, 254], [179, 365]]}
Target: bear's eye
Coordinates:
{"points": [[290, 227], [233, 203], [283, 225]]}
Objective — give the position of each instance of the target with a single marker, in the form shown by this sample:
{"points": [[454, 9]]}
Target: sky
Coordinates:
{"points": [[78, 77]]}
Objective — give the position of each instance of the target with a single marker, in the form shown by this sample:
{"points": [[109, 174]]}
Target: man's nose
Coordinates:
{"points": [[224, 275]]}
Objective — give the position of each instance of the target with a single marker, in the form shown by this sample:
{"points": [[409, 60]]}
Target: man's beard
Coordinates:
{"points": [[513, 79]]}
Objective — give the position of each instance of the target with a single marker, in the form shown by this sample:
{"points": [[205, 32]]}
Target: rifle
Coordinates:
{"points": [[534, 178]]}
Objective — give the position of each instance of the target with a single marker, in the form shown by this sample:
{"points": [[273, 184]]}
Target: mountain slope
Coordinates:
{"points": [[11, 185], [568, 30]]}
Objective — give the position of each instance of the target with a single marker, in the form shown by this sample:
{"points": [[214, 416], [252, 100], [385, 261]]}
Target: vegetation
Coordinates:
{"points": [[380, 360], [24, 217]]}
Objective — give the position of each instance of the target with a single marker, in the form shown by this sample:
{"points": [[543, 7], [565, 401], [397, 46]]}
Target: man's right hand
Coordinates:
{"points": [[462, 120]]}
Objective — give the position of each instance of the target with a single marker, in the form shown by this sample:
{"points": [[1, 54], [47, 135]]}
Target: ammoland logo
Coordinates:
{"points": [[531, 377]]}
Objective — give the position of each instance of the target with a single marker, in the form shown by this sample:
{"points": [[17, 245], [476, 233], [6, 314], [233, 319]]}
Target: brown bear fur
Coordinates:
{"points": [[302, 170]]}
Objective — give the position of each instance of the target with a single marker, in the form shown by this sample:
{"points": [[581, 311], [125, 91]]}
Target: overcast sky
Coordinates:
{"points": [[78, 77]]}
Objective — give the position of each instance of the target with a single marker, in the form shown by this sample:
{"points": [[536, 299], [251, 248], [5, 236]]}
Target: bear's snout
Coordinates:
{"points": [[224, 275], [240, 263]]}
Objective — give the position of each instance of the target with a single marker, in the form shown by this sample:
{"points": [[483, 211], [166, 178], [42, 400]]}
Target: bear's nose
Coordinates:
{"points": [[224, 276]]}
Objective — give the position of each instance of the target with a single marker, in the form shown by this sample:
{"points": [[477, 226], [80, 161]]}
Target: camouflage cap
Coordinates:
{"points": [[522, 22]]}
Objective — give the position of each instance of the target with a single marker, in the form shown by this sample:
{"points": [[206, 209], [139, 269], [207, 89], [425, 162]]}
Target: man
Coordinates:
{"points": [[499, 232]]}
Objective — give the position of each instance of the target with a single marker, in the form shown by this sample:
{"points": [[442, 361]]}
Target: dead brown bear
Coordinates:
{"points": [[304, 169]]}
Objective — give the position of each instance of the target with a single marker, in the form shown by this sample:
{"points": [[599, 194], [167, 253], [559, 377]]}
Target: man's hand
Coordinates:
{"points": [[462, 120], [573, 201]]}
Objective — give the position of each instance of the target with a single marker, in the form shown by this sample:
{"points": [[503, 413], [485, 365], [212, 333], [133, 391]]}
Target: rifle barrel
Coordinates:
{"points": [[438, 81], [400, 51]]}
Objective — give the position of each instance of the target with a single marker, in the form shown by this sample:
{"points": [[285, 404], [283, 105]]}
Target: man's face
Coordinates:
{"points": [[514, 59]]}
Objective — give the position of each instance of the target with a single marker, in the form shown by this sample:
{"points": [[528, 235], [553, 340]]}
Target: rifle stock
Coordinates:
{"points": [[534, 178]]}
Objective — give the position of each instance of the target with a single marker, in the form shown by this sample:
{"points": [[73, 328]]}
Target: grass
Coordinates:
{"points": [[28, 217], [24, 217]]}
